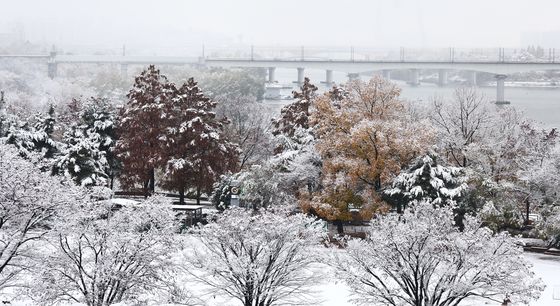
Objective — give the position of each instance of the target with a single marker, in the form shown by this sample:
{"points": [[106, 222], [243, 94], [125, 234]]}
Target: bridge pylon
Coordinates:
{"points": [[442, 77], [500, 89]]}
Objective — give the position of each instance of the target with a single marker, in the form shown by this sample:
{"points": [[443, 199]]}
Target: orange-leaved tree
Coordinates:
{"points": [[365, 136]]}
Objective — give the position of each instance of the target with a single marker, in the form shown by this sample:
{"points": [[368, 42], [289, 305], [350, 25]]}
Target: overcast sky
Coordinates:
{"points": [[383, 23]]}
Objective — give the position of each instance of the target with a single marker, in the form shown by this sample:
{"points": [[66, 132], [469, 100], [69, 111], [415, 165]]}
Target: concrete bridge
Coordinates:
{"points": [[500, 69], [499, 62], [53, 60]]}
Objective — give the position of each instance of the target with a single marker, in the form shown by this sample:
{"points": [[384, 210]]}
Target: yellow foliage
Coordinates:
{"points": [[365, 137]]}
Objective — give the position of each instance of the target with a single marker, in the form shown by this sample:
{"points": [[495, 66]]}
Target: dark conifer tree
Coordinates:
{"points": [[198, 151], [141, 129], [296, 114]]}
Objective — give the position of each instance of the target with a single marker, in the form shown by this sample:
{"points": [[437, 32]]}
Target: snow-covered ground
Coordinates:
{"points": [[335, 293], [548, 268]]}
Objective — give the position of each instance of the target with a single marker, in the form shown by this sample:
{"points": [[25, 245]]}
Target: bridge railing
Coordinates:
{"points": [[295, 53], [527, 55]]}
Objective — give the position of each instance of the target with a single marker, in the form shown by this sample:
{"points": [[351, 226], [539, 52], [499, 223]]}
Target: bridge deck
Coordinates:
{"points": [[348, 66]]}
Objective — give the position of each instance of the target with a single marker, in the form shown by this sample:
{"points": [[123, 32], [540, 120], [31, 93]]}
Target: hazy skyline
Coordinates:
{"points": [[384, 23]]}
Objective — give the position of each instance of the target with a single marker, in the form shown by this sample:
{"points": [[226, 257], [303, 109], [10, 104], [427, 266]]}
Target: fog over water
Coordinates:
{"points": [[182, 27], [539, 104]]}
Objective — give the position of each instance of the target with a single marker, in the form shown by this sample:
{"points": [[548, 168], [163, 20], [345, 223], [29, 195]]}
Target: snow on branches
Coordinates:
{"points": [[87, 152], [365, 136], [421, 258], [36, 138], [427, 181], [142, 142], [31, 202], [197, 153], [102, 256], [296, 114], [174, 129], [257, 257]]}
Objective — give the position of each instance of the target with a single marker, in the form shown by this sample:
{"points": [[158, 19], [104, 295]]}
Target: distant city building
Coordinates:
{"points": [[550, 39]]}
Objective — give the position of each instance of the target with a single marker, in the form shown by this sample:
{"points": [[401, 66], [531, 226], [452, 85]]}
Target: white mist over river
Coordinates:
{"points": [[539, 104]]}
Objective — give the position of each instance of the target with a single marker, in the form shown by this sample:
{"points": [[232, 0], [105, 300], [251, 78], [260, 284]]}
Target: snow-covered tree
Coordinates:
{"points": [[461, 123], [536, 181], [512, 171], [87, 155], [427, 181], [295, 167], [259, 258], [35, 138], [295, 116], [81, 159], [198, 153], [98, 117], [71, 111], [221, 193], [249, 127], [103, 256], [141, 146], [31, 202], [262, 186], [421, 258], [549, 227], [3, 116], [365, 136], [44, 129]]}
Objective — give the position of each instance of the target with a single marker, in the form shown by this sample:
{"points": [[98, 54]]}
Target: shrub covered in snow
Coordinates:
{"points": [[256, 257], [102, 257], [421, 258], [31, 202]]}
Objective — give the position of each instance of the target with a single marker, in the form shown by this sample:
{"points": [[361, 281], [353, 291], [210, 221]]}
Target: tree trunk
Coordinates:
{"points": [[182, 195], [152, 180], [377, 184], [198, 195], [248, 295], [527, 212], [145, 189], [339, 227]]}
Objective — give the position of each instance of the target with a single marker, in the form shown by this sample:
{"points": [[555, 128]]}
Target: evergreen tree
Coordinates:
{"points": [[88, 153], [98, 117], [141, 144], [3, 116], [81, 158], [44, 129], [426, 181], [221, 195], [295, 116], [296, 164], [198, 150], [37, 138]]}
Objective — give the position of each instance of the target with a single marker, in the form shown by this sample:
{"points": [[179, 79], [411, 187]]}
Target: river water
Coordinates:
{"points": [[539, 104]]}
